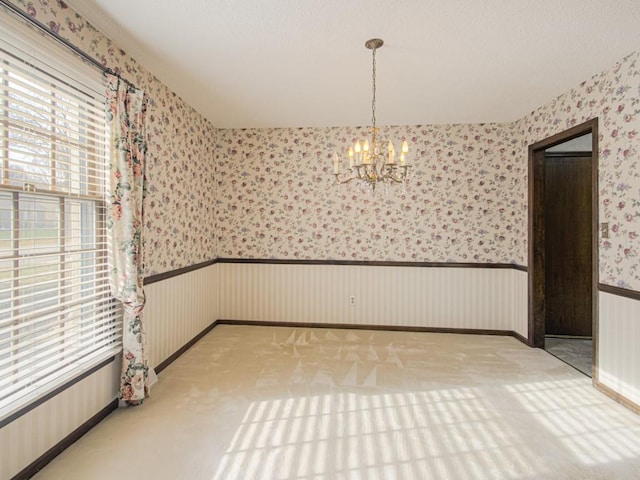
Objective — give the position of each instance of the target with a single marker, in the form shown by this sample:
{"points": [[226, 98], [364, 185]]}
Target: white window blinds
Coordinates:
{"points": [[57, 317]]}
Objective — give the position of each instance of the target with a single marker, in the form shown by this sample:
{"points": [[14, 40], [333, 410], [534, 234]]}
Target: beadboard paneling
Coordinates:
{"points": [[28, 437], [619, 345], [456, 298], [520, 296], [178, 309]]}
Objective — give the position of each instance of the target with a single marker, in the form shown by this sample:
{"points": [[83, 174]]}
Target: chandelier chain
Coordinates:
{"points": [[373, 101]]}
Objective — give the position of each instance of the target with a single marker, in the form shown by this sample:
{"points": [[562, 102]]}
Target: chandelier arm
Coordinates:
{"points": [[394, 179], [396, 173], [347, 180]]}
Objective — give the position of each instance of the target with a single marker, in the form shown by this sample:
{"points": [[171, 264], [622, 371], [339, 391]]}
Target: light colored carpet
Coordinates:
{"points": [[294, 403]]}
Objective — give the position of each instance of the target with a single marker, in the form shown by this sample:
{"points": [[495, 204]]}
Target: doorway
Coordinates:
{"points": [[563, 245]]}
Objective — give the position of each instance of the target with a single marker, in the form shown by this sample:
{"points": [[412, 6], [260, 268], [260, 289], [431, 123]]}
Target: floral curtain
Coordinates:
{"points": [[126, 107]]}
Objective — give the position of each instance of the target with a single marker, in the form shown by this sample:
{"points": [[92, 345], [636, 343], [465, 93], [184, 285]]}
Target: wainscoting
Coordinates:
{"points": [[392, 296], [30, 436], [178, 309], [619, 346]]}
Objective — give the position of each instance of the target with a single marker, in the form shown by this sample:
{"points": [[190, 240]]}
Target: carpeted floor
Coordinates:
{"points": [[577, 352], [292, 403]]}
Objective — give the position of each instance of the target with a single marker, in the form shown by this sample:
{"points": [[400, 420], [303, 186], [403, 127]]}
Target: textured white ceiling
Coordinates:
{"points": [[295, 63]]}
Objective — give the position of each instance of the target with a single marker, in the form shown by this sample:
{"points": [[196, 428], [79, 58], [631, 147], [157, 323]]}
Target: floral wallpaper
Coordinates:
{"points": [[467, 201], [178, 210], [614, 97], [277, 197]]}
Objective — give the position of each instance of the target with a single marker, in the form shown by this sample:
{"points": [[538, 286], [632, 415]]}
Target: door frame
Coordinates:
{"points": [[536, 233]]}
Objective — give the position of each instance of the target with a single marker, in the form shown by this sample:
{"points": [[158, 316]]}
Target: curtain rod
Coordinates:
{"points": [[43, 28]]}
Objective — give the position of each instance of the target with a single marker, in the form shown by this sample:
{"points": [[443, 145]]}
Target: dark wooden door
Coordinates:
{"points": [[568, 250]]}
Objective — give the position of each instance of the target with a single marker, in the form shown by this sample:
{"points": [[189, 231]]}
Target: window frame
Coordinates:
{"points": [[69, 372]]}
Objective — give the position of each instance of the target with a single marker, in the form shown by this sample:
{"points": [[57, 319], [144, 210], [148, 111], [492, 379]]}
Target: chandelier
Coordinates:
{"points": [[376, 161]]}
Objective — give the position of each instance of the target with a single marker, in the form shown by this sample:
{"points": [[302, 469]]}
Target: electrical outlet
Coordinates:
{"points": [[352, 300], [604, 229]]}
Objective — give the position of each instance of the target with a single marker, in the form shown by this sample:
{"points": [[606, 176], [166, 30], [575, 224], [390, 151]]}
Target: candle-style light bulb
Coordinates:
{"points": [[392, 153], [351, 159], [403, 155], [365, 153], [358, 153]]}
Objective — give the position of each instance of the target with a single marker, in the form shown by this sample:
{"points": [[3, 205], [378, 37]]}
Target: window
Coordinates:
{"points": [[57, 316]]}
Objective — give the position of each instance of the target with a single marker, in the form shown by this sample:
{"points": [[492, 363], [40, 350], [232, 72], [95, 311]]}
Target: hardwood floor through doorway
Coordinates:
{"points": [[577, 352]]}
